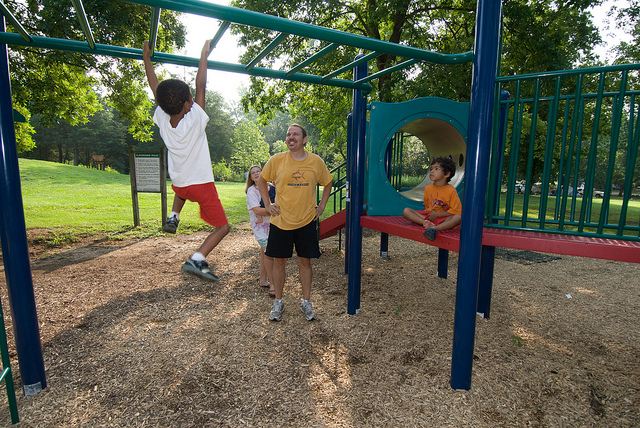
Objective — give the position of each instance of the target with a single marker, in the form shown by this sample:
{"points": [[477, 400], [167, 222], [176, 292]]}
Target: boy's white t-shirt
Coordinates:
{"points": [[188, 155]]}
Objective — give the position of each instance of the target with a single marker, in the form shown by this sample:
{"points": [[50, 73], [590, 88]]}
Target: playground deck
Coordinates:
{"points": [[581, 246]]}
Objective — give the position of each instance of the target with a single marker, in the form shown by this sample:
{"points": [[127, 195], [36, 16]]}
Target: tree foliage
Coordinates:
{"points": [[55, 85], [628, 19], [539, 35], [249, 147]]}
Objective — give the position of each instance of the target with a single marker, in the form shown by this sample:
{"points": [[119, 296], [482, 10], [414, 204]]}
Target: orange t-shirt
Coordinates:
{"points": [[444, 198]]}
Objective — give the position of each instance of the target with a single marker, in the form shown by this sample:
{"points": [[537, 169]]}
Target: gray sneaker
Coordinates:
{"points": [[171, 225], [276, 311], [307, 310], [200, 269]]}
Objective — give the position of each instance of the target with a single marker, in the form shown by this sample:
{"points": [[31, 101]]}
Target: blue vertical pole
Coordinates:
{"points": [[485, 62], [384, 237], [15, 252], [349, 168], [356, 192]]}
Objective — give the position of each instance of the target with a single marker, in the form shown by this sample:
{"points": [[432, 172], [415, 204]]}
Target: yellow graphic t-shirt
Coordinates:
{"points": [[295, 182]]}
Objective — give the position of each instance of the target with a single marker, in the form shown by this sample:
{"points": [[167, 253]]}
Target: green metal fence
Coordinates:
{"points": [[569, 144]]}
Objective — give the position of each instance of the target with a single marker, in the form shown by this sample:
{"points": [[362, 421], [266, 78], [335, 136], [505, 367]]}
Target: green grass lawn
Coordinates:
{"points": [[81, 200], [76, 200]]}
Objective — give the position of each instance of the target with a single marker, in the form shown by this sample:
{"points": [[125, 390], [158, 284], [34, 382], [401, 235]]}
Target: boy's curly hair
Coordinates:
{"points": [[171, 95], [447, 165]]}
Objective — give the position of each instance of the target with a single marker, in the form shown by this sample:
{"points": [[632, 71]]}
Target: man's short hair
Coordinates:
{"points": [[304, 131], [447, 165], [171, 94]]}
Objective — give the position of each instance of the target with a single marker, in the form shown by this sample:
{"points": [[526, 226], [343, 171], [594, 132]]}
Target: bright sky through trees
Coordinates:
{"points": [[228, 84]]}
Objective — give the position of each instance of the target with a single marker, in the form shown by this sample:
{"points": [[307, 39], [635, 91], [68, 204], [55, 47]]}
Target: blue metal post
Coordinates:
{"points": [[443, 263], [15, 252], [384, 237], [485, 61], [356, 192], [349, 168]]}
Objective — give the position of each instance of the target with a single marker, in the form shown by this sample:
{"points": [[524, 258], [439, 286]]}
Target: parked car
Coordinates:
{"points": [[598, 193], [536, 189]]}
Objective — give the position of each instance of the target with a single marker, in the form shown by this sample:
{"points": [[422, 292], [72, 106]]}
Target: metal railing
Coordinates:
{"points": [[569, 144]]}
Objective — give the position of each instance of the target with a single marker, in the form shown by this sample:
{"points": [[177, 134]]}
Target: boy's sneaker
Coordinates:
{"points": [[276, 311], [430, 234], [307, 310], [171, 225], [200, 269]]}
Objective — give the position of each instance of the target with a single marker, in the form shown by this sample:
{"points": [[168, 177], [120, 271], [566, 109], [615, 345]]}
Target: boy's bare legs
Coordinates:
{"points": [[178, 203], [449, 223], [414, 216], [214, 239], [171, 224]]}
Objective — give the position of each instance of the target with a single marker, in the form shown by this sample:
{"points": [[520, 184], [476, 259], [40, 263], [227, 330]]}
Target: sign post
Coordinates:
{"points": [[148, 173]]}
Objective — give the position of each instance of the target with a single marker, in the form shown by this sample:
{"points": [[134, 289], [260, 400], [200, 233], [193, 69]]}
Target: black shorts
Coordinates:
{"points": [[281, 242]]}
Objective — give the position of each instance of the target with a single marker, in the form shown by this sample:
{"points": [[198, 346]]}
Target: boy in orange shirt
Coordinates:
{"points": [[441, 202]]}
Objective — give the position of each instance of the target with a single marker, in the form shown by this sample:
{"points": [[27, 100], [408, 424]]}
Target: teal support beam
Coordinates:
{"points": [[269, 22], [330, 48], [270, 47], [84, 23], [122, 52], [224, 26], [14, 22], [153, 31]]}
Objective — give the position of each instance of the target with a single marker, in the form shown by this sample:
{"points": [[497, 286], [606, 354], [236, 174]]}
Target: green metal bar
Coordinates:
{"points": [[270, 47], [616, 123], [578, 155], [552, 122], [389, 70], [224, 26], [131, 53], [532, 143], [84, 23], [574, 72], [330, 48], [6, 372], [269, 22], [516, 130], [587, 196], [14, 22], [633, 140], [351, 65], [563, 177], [153, 31]]}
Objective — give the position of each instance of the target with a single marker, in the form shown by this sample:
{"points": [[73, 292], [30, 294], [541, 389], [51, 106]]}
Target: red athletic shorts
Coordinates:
{"points": [[436, 221], [206, 196]]}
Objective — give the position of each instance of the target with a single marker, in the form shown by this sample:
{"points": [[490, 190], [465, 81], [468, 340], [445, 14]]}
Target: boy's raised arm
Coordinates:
{"points": [[148, 68], [201, 76]]}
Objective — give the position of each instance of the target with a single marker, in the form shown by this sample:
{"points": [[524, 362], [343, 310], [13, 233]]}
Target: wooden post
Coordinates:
{"points": [[134, 189]]}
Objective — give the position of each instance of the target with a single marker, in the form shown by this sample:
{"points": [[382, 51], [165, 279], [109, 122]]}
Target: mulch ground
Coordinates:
{"points": [[130, 341]]}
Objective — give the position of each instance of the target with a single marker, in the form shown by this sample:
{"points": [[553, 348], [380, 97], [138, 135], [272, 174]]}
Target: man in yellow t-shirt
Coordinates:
{"points": [[295, 175]]}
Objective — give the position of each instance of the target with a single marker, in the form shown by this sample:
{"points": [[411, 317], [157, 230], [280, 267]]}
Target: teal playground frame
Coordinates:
{"points": [[557, 99]]}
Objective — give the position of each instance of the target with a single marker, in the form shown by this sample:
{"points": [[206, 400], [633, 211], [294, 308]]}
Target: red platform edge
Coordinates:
{"points": [[331, 225], [571, 245]]}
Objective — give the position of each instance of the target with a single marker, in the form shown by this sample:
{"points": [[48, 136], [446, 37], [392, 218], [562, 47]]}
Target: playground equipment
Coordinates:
{"points": [[439, 123], [464, 134]]}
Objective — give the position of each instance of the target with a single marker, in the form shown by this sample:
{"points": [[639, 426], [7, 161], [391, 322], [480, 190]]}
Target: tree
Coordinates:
{"points": [[249, 147], [539, 35], [628, 19], [59, 85]]}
